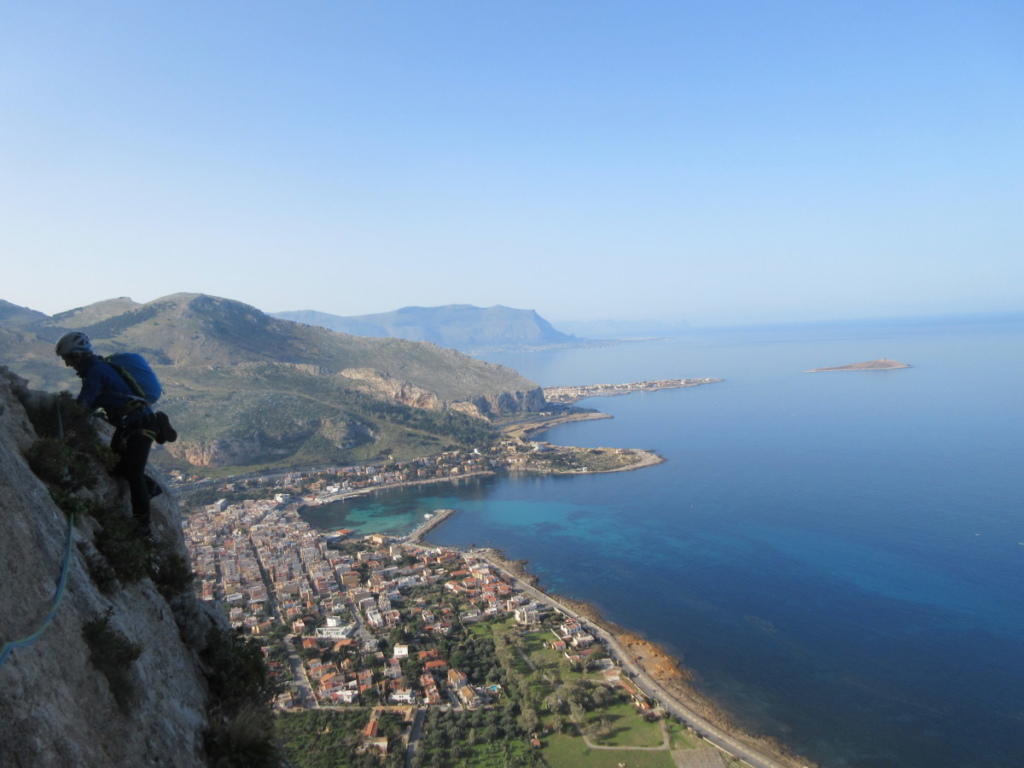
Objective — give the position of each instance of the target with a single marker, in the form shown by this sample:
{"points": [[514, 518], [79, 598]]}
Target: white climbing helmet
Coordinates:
{"points": [[72, 342]]}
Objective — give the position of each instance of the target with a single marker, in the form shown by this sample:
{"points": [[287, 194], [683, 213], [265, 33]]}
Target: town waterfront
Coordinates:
{"points": [[837, 556]]}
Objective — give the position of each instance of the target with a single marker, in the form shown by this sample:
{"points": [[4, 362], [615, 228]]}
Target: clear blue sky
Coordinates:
{"points": [[717, 162]]}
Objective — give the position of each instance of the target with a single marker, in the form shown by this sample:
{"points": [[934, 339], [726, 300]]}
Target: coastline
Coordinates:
{"points": [[572, 394], [531, 429], [536, 426], [342, 495], [647, 458], [657, 672]]}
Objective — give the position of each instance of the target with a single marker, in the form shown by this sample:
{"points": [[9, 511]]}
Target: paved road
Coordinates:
{"points": [[414, 736], [306, 696]]}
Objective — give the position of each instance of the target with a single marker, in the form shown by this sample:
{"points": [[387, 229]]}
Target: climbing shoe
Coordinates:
{"points": [[164, 431]]}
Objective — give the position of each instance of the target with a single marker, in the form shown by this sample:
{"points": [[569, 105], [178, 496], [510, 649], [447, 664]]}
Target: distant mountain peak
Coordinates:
{"points": [[464, 327], [13, 315], [94, 313]]}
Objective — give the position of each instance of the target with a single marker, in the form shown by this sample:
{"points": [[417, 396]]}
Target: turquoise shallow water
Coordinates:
{"points": [[837, 556]]}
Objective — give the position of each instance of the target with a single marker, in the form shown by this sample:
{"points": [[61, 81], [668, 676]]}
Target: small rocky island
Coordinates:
{"points": [[871, 365]]}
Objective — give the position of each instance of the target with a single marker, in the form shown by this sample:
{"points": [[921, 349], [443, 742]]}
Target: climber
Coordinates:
{"points": [[135, 424]]}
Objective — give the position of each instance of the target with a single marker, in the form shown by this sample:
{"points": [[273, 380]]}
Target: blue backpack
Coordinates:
{"points": [[137, 374]]}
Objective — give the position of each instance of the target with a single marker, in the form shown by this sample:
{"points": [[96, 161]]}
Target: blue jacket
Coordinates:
{"points": [[103, 387]]}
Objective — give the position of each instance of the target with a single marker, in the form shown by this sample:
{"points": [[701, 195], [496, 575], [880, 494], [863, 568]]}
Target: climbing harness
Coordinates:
{"points": [[61, 583]]}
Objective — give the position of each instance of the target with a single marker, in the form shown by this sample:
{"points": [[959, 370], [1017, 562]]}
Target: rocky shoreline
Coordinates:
{"points": [[531, 429], [535, 426], [647, 459], [672, 681]]}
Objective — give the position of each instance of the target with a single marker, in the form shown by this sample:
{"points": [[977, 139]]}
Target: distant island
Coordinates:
{"points": [[871, 365]]}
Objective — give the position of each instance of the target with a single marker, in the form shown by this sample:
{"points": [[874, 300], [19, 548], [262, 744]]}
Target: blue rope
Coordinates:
{"points": [[27, 641]]}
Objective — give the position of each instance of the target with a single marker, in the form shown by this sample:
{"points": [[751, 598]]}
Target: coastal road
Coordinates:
{"points": [[647, 684]]}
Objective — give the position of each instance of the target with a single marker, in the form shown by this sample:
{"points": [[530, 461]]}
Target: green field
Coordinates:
{"points": [[626, 728], [571, 751], [578, 717], [616, 723]]}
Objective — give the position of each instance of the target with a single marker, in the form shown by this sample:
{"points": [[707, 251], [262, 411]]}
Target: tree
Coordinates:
{"points": [[577, 712], [554, 702], [602, 696], [557, 723], [528, 720]]}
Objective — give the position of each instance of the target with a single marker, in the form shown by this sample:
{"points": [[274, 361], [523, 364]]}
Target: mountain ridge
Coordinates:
{"points": [[246, 389], [464, 327]]}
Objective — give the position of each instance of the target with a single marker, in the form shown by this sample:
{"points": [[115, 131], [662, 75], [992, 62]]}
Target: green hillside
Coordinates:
{"points": [[246, 390]]}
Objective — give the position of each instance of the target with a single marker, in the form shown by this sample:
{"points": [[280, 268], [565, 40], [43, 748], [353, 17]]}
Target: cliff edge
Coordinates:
{"points": [[119, 676]]}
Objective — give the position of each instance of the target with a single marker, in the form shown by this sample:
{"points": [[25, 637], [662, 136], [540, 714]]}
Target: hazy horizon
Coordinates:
{"points": [[669, 327]]}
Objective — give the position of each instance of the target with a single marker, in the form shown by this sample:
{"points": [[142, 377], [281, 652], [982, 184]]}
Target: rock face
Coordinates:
{"points": [[394, 389], [57, 709], [230, 451], [518, 401], [496, 404]]}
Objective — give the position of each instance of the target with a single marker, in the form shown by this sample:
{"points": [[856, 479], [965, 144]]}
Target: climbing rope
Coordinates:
{"points": [[61, 583], [27, 641]]}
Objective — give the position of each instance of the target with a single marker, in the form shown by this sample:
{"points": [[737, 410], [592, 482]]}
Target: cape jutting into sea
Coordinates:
{"points": [[837, 556]]}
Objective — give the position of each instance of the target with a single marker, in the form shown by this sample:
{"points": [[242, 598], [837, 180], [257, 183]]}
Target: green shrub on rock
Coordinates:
{"points": [[111, 653]]}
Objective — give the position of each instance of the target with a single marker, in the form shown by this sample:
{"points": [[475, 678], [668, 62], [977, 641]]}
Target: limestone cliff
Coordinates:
{"points": [[514, 401], [399, 391], [56, 706], [406, 393]]}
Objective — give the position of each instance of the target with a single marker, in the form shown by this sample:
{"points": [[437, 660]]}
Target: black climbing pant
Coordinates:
{"points": [[132, 444]]}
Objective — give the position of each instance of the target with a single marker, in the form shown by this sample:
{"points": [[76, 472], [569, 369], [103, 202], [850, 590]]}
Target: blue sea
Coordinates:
{"points": [[838, 557]]}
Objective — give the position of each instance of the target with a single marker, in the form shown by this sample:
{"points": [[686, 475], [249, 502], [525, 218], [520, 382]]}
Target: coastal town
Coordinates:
{"points": [[405, 650], [567, 395], [382, 626], [513, 453]]}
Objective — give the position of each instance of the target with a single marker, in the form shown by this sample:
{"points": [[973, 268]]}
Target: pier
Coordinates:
{"points": [[438, 517]]}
